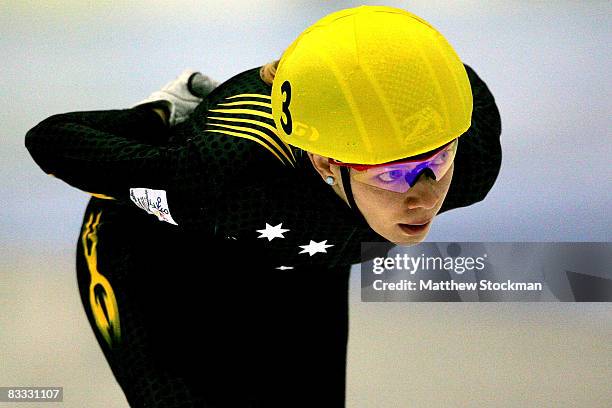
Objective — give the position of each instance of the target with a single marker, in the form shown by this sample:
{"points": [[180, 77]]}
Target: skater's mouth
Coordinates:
{"points": [[416, 228]]}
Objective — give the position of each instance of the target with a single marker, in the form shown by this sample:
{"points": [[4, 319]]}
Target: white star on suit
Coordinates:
{"points": [[272, 232], [314, 247]]}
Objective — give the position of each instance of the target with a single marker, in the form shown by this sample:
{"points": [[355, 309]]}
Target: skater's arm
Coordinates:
{"points": [[119, 155], [101, 152], [105, 153], [95, 150]]}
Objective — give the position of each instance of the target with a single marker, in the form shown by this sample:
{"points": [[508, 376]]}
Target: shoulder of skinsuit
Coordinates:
{"points": [[241, 107]]}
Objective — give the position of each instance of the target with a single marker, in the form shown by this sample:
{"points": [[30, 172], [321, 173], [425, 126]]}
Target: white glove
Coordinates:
{"points": [[180, 97]]}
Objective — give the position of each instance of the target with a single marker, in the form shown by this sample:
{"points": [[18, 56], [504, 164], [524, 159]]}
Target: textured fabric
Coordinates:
{"points": [[204, 326], [209, 312]]}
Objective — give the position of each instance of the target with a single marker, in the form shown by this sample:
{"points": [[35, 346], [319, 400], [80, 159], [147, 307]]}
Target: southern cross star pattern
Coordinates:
{"points": [[277, 231]]}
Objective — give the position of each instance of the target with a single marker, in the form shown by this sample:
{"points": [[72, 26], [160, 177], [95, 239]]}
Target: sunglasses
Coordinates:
{"points": [[400, 175]]}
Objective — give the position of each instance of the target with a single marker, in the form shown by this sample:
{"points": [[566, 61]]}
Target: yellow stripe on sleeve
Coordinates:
{"points": [[250, 95], [258, 133], [247, 136], [264, 104], [258, 123], [245, 111]]}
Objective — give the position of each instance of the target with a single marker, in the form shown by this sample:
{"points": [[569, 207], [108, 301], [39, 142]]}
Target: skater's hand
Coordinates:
{"points": [[178, 98]]}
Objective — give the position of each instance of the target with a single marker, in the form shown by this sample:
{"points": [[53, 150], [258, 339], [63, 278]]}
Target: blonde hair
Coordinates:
{"points": [[268, 71]]}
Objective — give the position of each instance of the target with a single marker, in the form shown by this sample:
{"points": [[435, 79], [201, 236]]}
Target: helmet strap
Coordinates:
{"points": [[346, 183]]}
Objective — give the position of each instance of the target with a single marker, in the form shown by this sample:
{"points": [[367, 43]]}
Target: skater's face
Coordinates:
{"points": [[386, 211]]}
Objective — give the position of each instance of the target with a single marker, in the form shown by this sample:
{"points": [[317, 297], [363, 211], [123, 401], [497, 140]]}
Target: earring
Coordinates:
{"points": [[330, 180]]}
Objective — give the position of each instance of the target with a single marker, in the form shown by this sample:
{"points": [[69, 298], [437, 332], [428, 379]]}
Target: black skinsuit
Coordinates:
{"points": [[195, 306]]}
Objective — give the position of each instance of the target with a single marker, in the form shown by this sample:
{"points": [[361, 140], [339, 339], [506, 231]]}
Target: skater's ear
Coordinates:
{"points": [[329, 172], [321, 165]]}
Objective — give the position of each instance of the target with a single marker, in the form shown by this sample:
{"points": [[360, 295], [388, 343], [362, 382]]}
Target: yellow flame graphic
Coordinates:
{"points": [[101, 296]]}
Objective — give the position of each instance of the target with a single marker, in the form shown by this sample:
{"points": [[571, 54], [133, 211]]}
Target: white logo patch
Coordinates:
{"points": [[153, 202]]}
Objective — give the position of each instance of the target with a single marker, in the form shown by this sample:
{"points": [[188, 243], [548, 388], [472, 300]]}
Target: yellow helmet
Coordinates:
{"points": [[370, 85]]}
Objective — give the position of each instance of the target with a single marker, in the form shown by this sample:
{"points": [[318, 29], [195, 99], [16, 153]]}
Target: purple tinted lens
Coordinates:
{"points": [[400, 177]]}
